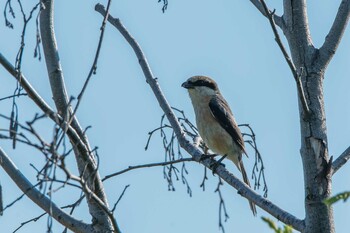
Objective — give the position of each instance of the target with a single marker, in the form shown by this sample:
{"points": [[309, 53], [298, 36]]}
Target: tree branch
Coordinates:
{"points": [[40, 199], [278, 19], [147, 165], [53, 65], [297, 25], [33, 94], [335, 34], [341, 160], [86, 163], [94, 64], [289, 61], [194, 151], [100, 202]]}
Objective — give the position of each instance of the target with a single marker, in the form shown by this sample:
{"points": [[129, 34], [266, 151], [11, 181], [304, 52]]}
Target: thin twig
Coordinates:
{"points": [[165, 5], [205, 177], [120, 197], [28, 221], [297, 77], [94, 65], [259, 6], [78, 139], [147, 165], [259, 164], [15, 95], [12, 13], [41, 200], [1, 201], [222, 207]]}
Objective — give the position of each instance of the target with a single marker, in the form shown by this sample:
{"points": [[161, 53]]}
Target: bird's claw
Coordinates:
{"points": [[205, 156], [218, 163]]}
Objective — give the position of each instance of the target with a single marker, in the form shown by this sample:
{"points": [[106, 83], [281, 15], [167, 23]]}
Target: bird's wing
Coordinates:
{"points": [[222, 113]]}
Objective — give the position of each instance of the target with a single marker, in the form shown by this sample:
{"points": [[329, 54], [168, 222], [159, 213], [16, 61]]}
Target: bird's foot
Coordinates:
{"points": [[216, 164], [206, 156]]}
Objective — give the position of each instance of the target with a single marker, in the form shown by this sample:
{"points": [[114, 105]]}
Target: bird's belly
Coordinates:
{"points": [[217, 139]]}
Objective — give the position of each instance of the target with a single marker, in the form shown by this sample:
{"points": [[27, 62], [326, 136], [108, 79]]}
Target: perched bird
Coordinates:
{"points": [[215, 122]]}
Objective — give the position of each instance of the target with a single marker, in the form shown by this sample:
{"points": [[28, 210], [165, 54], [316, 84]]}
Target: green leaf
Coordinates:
{"points": [[272, 225], [288, 229], [340, 196]]}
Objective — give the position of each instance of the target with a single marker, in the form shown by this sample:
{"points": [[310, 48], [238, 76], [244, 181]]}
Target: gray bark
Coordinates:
{"points": [[311, 64], [314, 146], [85, 161], [40, 199]]}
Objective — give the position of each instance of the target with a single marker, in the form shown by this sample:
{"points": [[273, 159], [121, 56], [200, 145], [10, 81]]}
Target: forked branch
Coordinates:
{"points": [[41, 200], [87, 166], [297, 76], [335, 34], [278, 19], [45, 108]]}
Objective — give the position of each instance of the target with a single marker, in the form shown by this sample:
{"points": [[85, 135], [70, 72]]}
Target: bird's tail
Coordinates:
{"points": [[246, 180]]}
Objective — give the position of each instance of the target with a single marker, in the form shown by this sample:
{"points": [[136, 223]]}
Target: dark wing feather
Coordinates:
{"points": [[222, 113]]}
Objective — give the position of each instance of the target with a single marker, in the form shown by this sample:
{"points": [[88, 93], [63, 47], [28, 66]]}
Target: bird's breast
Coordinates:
{"points": [[214, 136]]}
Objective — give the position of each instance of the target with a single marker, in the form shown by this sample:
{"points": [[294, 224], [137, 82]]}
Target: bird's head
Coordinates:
{"points": [[201, 86]]}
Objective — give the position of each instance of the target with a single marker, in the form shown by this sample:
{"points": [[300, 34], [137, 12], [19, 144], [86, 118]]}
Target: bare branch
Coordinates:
{"points": [[94, 65], [120, 197], [25, 24], [12, 96], [41, 200], [87, 165], [222, 207], [97, 200], [278, 19], [12, 13], [1, 201], [150, 79], [28, 221], [341, 160], [32, 93], [335, 34], [263, 203], [259, 164], [194, 151], [297, 77], [147, 165], [54, 69], [165, 4]]}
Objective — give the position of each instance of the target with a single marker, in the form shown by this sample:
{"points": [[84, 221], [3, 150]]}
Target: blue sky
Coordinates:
{"points": [[227, 40]]}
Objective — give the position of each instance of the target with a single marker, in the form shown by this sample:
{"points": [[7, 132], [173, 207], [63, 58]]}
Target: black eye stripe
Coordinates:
{"points": [[205, 83]]}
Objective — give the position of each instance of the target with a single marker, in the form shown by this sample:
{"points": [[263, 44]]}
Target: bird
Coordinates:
{"points": [[216, 123]]}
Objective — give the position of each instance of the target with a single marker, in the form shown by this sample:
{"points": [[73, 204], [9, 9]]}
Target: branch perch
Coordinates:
{"points": [[194, 151]]}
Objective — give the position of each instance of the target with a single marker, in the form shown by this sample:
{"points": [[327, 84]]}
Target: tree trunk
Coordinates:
{"points": [[314, 154], [314, 148]]}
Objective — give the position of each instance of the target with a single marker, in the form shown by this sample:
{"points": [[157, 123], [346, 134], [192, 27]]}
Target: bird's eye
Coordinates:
{"points": [[204, 83]]}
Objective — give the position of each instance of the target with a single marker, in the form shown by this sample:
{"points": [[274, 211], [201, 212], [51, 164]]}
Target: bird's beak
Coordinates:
{"points": [[187, 85]]}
